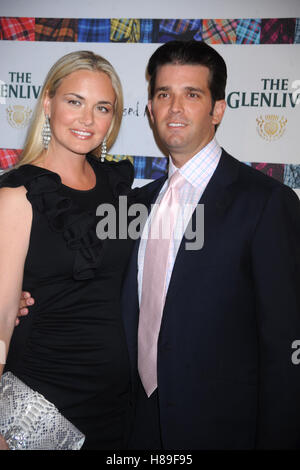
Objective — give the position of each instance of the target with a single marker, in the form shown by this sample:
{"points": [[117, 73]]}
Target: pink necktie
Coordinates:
{"points": [[154, 282]]}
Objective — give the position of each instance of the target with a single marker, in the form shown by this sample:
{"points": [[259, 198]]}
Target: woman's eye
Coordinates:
{"points": [[103, 109], [74, 102]]}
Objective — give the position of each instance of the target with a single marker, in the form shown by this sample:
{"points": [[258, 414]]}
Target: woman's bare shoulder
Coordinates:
{"points": [[14, 203]]}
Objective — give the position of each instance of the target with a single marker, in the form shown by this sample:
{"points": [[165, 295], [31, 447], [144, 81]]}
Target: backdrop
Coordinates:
{"points": [[261, 123]]}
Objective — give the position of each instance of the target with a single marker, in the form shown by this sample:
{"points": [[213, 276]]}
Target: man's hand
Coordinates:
{"points": [[25, 301]]}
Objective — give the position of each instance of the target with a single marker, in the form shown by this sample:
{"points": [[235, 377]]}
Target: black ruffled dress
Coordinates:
{"points": [[71, 347]]}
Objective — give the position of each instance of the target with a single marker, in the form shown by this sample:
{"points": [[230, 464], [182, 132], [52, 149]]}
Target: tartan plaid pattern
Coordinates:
{"points": [[117, 158], [149, 167], [17, 29], [297, 31], [116, 30], [93, 30], [9, 157], [55, 29], [155, 167], [248, 31], [219, 31], [292, 176], [275, 170], [212, 31], [168, 30], [125, 30], [146, 30], [140, 164], [159, 167], [277, 31]]}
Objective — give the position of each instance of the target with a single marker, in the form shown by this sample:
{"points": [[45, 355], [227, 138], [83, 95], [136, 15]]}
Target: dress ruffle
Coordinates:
{"points": [[120, 175], [77, 228]]}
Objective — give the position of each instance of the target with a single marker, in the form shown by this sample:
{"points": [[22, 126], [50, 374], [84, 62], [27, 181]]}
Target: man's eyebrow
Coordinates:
{"points": [[192, 88], [162, 88], [187, 88]]}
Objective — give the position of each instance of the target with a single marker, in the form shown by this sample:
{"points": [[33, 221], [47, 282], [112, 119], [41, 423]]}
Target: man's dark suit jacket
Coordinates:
{"points": [[226, 379]]}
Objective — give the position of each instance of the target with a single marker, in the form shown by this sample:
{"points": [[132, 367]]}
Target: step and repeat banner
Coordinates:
{"points": [[262, 120]]}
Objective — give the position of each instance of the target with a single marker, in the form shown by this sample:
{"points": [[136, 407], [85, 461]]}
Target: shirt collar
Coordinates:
{"points": [[200, 166]]}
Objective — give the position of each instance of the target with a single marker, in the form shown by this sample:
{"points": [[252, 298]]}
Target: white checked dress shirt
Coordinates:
{"points": [[197, 171]]}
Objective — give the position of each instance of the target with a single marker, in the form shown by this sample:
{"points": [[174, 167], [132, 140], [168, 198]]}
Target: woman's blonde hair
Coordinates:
{"points": [[81, 60]]}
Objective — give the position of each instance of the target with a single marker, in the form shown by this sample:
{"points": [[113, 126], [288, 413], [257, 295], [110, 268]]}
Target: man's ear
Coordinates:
{"points": [[150, 110], [218, 111]]}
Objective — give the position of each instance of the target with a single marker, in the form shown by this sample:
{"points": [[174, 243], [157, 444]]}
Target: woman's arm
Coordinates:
{"points": [[15, 225]]}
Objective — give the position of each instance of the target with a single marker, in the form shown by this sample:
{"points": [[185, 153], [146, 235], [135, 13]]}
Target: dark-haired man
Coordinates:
{"points": [[211, 330], [211, 327]]}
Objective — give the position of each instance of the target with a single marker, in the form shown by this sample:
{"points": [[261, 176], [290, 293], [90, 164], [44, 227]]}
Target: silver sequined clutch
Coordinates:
{"points": [[30, 422]]}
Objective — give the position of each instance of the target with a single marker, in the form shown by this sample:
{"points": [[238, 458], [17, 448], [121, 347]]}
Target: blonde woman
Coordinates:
{"points": [[71, 348]]}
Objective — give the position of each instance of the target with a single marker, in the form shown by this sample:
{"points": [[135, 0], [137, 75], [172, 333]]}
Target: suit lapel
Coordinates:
{"points": [[216, 199]]}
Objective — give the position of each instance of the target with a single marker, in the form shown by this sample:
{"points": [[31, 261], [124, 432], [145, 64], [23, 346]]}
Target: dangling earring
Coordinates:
{"points": [[46, 132], [103, 150]]}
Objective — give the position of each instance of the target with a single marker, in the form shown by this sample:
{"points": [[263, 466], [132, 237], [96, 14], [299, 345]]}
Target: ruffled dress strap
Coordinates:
{"points": [[120, 174], [23, 175], [78, 228]]}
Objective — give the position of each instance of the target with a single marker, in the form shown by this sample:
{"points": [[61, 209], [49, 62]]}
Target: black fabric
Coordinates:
{"points": [[145, 432], [226, 379], [71, 347]]}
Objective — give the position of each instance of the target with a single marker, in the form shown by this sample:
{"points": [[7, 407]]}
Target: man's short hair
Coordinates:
{"points": [[190, 53]]}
